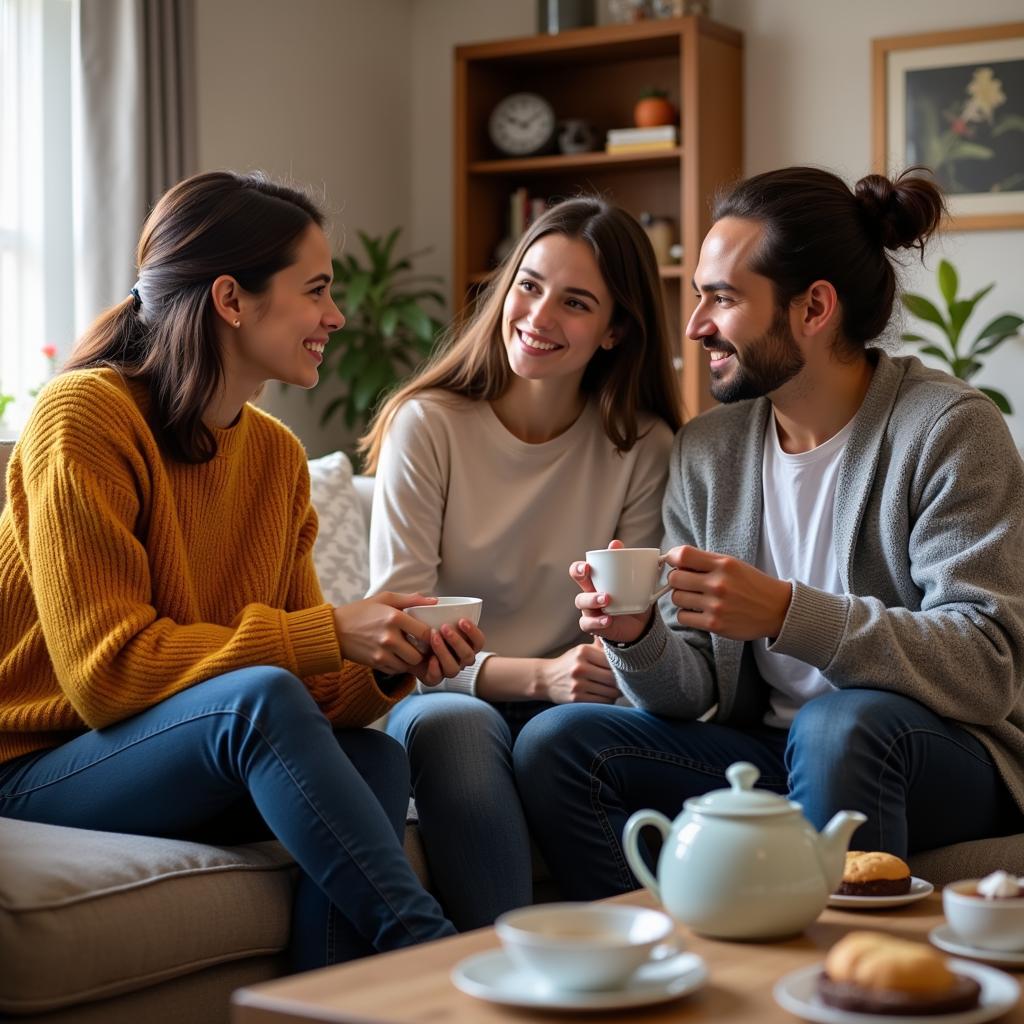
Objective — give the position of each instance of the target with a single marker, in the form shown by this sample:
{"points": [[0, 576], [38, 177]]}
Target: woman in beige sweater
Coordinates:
{"points": [[542, 430]]}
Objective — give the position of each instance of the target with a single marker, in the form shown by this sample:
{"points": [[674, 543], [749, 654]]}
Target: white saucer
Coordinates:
{"points": [[796, 993], [945, 938], [919, 888], [492, 976]]}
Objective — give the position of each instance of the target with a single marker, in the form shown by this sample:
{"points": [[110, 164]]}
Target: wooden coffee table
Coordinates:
{"points": [[413, 984]]}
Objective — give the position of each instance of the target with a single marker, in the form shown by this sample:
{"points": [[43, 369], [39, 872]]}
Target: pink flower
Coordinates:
{"points": [[50, 351]]}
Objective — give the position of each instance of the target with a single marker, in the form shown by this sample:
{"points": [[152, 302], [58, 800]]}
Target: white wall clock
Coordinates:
{"points": [[522, 124]]}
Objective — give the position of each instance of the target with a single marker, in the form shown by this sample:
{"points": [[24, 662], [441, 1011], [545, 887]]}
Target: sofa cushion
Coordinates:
{"points": [[341, 553], [86, 915]]}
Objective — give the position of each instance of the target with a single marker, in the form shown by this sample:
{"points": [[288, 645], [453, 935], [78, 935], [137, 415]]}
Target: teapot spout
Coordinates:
{"points": [[833, 842]]}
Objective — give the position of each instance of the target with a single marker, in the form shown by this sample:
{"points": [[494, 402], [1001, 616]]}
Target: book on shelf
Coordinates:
{"points": [[638, 147], [524, 209], [664, 133]]}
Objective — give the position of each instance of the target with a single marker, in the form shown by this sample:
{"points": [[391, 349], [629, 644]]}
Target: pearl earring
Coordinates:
{"points": [[236, 322]]}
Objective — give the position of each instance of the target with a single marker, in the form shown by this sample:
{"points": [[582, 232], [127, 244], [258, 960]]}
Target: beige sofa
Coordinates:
{"points": [[104, 927]]}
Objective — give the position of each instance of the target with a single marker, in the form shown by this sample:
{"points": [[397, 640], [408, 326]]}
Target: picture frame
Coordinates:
{"points": [[954, 102]]}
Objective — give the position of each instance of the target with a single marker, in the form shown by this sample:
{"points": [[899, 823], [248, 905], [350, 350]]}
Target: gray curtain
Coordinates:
{"points": [[134, 134]]}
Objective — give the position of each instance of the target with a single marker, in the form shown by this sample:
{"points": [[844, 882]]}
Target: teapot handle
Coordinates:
{"points": [[631, 845]]}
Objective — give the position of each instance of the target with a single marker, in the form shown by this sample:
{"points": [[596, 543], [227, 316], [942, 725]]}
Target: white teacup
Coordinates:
{"points": [[583, 947], [448, 611], [996, 924], [629, 576]]}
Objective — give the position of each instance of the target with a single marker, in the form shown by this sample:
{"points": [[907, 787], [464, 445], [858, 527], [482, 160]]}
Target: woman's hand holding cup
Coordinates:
{"points": [[593, 604], [380, 633]]}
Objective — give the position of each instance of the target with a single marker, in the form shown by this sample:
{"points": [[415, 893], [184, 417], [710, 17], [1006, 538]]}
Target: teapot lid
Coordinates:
{"points": [[742, 798]]}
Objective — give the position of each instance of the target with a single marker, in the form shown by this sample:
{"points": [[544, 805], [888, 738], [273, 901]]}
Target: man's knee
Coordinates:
{"points": [[565, 735], [837, 724]]}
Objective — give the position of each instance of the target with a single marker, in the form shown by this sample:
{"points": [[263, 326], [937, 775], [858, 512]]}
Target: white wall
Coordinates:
{"points": [[317, 91]]}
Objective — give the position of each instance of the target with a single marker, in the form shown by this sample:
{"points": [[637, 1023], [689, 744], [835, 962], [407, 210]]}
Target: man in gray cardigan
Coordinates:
{"points": [[847, 563]]}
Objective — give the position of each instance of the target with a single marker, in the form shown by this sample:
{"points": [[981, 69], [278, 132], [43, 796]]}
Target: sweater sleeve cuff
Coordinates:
{"points": [[642, 655], [464, 682], [314, 640], [813, 625]]}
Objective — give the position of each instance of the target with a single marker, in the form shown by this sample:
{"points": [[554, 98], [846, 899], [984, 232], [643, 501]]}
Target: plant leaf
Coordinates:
{"points": [[1008, 323], [982, 292], [948, 282], [958, 314], [416, 320], [1000, 399], [965, 368], [970, 151], [990, 345], [388, 321], [920, 307], [912, 337], [355, 292], [934, 350], [1008, 123]]}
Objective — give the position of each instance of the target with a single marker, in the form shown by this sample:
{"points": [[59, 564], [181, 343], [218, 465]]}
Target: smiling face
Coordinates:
{"points": [[557, 313], [284, 330], [748, 337]]}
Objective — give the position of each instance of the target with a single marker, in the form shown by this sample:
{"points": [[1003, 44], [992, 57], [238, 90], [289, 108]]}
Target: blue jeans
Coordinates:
{"points": [[239, 757], [471, 821], [921, 780]]}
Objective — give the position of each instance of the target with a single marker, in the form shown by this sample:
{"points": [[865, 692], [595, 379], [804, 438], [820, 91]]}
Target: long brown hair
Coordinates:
{"points": [[211, 224], [636, 375], [814, 226]]}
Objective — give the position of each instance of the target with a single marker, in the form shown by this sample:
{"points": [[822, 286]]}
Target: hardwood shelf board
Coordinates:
{"points": [[650, 38], [576, 161]]}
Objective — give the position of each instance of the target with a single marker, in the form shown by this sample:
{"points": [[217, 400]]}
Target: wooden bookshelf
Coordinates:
{"points": [[598, 74]]}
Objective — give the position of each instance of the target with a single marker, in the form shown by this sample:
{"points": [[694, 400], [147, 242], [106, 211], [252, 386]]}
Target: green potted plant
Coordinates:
{"points": [[389, 329], [963, 359]]}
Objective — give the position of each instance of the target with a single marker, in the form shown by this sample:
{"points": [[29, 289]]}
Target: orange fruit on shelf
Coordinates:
{"points": [[653, 108]]}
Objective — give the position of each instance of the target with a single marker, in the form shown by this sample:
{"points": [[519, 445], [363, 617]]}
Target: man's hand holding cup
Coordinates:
{"points": [[619, 587]]}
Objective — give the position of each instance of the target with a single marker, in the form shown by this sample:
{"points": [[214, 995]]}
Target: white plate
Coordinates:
{"points": [[492, 976], [919, 888], [945, 938], [999, 992]]}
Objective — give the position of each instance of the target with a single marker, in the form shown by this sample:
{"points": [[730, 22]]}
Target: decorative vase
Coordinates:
{"points": [[554, 16]]}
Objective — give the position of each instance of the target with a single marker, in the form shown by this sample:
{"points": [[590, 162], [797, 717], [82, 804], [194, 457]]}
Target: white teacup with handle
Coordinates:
{"points": [[629, 576]]}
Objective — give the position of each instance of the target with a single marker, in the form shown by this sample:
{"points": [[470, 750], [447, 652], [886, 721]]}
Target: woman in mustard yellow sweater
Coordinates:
{"points": [[168, 665]]}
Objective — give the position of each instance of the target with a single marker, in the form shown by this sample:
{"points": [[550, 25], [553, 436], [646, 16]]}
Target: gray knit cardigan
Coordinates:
{"points": [[929, 540]]}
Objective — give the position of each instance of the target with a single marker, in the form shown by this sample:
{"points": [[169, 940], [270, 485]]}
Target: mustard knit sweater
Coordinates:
{"points": [[126, 577]]}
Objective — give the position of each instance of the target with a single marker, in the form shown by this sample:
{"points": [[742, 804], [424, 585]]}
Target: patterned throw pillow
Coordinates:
{"points": [[341, 553]]}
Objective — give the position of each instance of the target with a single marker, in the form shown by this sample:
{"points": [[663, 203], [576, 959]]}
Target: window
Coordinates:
{"points": [[36, 258]]}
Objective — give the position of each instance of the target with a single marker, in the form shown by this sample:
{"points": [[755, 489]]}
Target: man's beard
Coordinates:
{"points": [[766, 364]]}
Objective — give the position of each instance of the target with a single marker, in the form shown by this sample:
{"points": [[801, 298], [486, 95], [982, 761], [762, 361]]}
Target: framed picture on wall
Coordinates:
{"points": [[954, 102]]}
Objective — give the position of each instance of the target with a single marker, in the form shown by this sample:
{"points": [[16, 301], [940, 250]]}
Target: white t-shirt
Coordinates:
{"points": [[465, 508], [796, 544]]}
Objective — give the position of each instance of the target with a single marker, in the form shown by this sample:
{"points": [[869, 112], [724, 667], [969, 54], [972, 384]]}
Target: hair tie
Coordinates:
{"points": [[136, 297]]}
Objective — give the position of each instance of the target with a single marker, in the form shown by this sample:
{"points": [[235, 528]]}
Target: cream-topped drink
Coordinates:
{"points": [[1001, 885], [988, 912]]}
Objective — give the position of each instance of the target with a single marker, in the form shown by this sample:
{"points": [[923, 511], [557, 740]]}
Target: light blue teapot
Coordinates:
{"points": [[742, 863]]}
